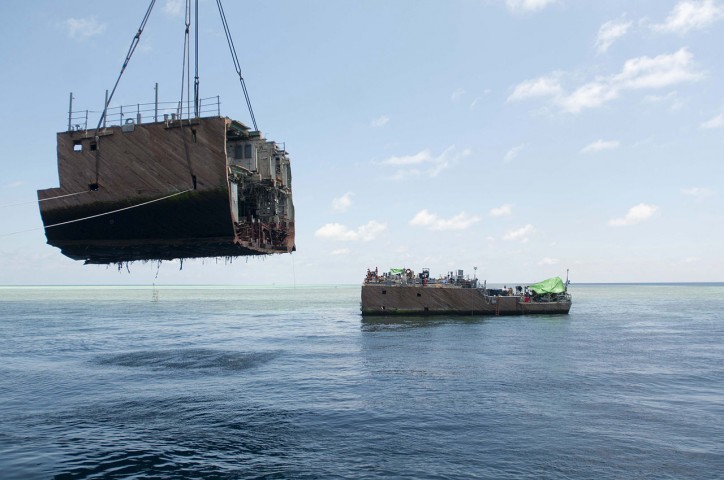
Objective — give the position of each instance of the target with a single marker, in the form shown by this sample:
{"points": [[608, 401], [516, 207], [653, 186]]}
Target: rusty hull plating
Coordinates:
{"points": [[206, 187]]}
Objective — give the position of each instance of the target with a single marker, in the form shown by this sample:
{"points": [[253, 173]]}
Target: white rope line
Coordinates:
{"points": [[44, 199], [98, 215]]}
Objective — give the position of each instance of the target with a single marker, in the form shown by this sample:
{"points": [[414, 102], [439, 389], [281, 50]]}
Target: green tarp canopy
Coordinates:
{"points": [[397, 271], [552, 285]]}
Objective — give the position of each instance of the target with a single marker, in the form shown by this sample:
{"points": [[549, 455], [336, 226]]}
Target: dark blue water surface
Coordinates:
{"points": [[292, 383]]}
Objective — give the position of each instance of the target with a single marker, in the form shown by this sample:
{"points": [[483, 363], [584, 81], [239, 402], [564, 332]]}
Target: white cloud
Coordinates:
{"points": [[419, 157], [380, 121], [600, 145], [502, 210], [636, 214], [610, 32], [590, 95], [525, 6], [457, 94], [637, 74], [15, 184], [365, 233], [342, 204], [424, 163], [657, 72], [714, 122], [699, 193], [341, 251], [461, 221], [84, 28], [475, 102], [549, 261], [671, 98], [511, 154], [521, 234], [174, 8], [545, 86], [691, 15]]}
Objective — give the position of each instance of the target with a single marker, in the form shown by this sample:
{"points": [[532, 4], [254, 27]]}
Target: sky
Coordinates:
{"points": [[521, 137]]}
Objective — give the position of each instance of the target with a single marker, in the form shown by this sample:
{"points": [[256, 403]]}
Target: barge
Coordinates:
{"points": [[401, 292]]}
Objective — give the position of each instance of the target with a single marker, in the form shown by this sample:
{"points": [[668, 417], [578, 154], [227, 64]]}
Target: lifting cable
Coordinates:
{"points": [[185, 63], [97, 215], [235, 58], [44, 199], [197, 106], [131, 49]]}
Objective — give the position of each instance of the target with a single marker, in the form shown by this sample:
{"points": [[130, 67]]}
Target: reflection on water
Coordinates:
{"points": [[391, 322]]}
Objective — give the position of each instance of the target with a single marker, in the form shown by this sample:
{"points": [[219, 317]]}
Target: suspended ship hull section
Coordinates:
{"points": [[166, 190]]}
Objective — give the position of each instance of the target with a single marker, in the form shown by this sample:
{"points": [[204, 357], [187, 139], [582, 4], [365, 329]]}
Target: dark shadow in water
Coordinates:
{"points": [[188, 359]]}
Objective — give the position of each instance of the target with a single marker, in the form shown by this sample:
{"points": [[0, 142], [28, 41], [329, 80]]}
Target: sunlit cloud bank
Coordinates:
{"points": [[610, 32], [342, 204], [699, 193], [600, 145], [526, 6], [424, 163], [84, 28], [173, 8], [635, 215], [513, 153], [365, 233], [461, 221], [639, 73], [521, 234], [691, 15], [503, 210], [380, 121], [715, 122], [549, 261], [457, 94]]}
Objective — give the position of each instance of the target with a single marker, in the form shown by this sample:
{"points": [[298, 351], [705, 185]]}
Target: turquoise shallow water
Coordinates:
{"points": [[215, 382]]}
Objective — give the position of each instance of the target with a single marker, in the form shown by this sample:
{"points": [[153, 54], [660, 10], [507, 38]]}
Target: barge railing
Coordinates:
{"points": [[139, 113]]}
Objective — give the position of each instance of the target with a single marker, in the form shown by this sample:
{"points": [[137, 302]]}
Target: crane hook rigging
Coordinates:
{"points": [[187, 52]]}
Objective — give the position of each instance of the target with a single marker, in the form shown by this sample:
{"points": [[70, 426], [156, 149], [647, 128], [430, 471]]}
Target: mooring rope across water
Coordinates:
{"points": [[98, 215]]}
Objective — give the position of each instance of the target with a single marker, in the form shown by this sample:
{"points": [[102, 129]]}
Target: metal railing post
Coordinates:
{"points": [[218, 106], [70, 113], [155, 108], [106, 110]]}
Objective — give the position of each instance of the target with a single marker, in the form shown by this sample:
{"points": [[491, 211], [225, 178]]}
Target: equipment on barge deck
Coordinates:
{"points": [[164, 183]]}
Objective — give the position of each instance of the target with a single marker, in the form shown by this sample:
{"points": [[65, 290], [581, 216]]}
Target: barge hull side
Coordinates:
{"points": [[429, 300]]}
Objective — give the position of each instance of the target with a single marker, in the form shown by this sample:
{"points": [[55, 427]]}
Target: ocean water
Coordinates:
{"points": [[211, 382]]}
